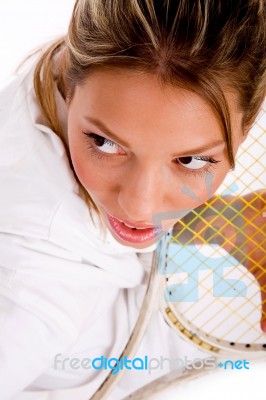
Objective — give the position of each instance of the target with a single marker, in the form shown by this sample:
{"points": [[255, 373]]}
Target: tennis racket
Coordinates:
{"points": [[209, 275], [213, 269], [213, 298]]}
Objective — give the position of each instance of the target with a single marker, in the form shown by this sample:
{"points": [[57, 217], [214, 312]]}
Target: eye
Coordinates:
{"points": [[195, 162], [103, 144]]}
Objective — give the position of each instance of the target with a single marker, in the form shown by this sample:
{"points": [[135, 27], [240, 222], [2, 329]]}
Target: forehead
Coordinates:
{"points": [[135, 86], [134, 102]]}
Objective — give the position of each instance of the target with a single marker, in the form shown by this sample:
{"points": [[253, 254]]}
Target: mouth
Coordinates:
{"points": [[133, 233]]}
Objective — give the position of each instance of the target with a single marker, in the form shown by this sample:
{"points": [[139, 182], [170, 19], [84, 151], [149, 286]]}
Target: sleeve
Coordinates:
{"points": [[42, 309]]}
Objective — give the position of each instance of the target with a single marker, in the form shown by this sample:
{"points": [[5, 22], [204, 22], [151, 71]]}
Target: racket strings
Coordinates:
{"points": [[194, 255], [229, 240], [187, 230], [203, 326], [251, 163], [198, 216], [213, 331], [221, 263]]}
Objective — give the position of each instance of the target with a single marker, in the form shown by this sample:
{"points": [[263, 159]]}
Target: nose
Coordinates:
{"points": [[142, 194]]}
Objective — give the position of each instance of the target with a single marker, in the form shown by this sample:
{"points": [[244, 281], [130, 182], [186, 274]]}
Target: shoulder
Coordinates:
{"points": [[35, 173]]}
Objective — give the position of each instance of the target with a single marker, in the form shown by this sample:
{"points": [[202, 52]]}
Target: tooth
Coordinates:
{"points": [[133, 227], [130, 226]]}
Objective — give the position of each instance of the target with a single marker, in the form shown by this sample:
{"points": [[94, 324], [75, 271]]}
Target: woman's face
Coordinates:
{"points": [[141, 149]]}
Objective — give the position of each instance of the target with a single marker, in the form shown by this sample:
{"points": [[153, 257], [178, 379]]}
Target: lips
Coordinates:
{"points": [[131, 232]]}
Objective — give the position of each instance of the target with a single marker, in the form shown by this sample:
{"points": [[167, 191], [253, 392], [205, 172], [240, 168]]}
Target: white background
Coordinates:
{"points": [[24, 24]]}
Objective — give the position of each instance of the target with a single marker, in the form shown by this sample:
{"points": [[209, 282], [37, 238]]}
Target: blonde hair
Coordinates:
{"points": [[201, 45]]}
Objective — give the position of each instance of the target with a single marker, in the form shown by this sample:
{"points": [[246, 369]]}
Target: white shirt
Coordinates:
{"points": [[65, 288]]}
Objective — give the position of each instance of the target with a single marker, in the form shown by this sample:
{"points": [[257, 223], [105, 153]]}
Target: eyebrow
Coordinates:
{"points": [[105, 130], [202, 149]]}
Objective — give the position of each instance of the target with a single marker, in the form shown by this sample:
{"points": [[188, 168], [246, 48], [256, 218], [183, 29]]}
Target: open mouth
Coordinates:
{"points": [[131, 233]]}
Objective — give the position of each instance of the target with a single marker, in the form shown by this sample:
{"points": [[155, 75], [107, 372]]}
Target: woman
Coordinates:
{"points": [[98, 137]]}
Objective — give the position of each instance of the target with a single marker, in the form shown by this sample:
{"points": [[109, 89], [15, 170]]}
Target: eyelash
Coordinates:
{"points": [[92, 136], [200, 172]]}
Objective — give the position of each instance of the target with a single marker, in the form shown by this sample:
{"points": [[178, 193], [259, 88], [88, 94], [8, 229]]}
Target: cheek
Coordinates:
{"points": [[94, 175]]}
